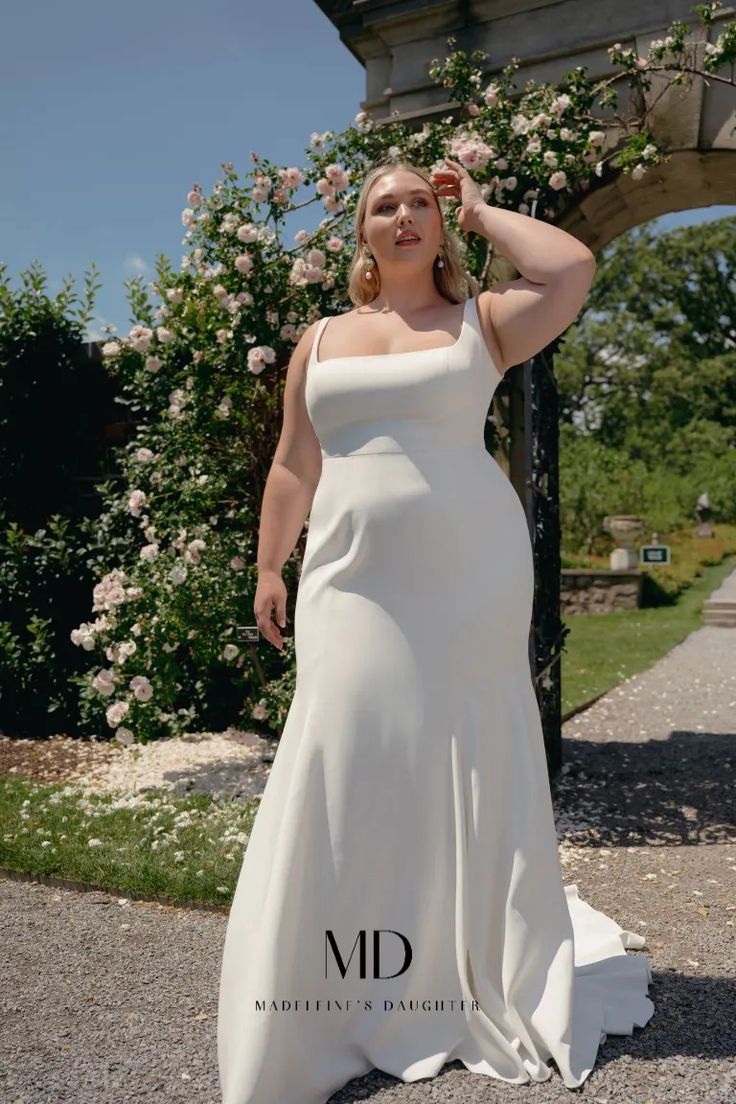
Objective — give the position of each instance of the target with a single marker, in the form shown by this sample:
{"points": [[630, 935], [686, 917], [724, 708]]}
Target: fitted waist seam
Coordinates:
{"points": [[403, 452]]}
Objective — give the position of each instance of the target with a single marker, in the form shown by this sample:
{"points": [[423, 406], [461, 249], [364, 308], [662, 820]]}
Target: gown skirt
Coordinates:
{"points": [[400, 903]]}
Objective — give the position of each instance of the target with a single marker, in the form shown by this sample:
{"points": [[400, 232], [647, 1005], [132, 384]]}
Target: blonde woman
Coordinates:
{"points": [[400, 903]]}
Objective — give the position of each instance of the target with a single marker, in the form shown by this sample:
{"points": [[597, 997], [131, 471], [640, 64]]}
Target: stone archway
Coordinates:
{"points": [[695, 124], [692, 178]]}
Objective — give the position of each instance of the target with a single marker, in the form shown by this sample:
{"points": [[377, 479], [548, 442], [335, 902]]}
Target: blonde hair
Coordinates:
{"points": [[451, 280]]}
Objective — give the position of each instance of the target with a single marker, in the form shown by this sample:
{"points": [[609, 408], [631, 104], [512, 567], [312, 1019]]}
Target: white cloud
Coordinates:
{"points": [[135, 265]]}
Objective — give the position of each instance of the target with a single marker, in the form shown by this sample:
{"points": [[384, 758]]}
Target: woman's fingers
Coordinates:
{"points": [[445, 182], [275, 634], [268, 628]]}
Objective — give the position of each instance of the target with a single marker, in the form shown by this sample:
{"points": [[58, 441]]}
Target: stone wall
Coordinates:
{"points": [[599, 591]]}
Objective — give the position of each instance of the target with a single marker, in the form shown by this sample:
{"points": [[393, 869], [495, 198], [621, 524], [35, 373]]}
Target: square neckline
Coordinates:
{"points": [[406, 352]]}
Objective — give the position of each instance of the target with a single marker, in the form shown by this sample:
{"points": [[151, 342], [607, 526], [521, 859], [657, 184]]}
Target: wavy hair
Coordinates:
{"points": [[452, 281]]}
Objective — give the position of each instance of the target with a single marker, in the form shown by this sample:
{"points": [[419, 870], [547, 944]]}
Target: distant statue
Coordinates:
{"points": [[702, 513]]}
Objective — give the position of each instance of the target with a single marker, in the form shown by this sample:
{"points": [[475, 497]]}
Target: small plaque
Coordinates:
{"points": [[247, 633], [654, 553]]}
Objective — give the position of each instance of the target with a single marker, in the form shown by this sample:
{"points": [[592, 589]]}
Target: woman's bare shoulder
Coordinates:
{"points": [[300, 353]]}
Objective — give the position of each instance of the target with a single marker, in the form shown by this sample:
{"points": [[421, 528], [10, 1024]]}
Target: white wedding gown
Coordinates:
{"points": [[409, 793]]}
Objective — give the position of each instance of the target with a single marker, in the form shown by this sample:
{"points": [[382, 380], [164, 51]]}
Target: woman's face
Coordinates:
{"points": [[401, 203]]}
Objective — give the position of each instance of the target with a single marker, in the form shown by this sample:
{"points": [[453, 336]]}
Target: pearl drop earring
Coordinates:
{"points": [[369, 263], [440, 262]]}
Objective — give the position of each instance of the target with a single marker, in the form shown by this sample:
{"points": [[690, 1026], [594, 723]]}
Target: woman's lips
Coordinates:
{"points": [[411, 241]]}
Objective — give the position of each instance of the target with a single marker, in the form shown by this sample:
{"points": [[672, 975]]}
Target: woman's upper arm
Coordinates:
{"points": [[525, 316], [298, 446]]}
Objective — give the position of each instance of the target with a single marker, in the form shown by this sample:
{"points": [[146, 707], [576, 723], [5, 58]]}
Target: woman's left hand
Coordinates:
{"points": [[457, 182]]}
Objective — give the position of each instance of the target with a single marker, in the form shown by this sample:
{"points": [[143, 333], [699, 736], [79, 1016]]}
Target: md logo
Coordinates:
{"points": [[332, 949]]}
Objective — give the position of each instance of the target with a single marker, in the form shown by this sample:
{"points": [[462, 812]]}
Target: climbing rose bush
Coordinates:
{"points": [[204, 373]]}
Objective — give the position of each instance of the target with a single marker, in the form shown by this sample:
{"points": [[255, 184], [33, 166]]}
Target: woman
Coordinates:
{"points": [[400, 903]]}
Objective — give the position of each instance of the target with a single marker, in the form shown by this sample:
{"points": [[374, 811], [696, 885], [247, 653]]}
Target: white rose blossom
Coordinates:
{"points": [[140, 338], [116, 712], [110, 591], [83, 636], [194, 549], [141, 687], [104, 682], [136, 501], [178, 573]]}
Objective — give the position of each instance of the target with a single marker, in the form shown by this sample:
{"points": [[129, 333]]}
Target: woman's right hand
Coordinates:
{"points": [[270, 596]]}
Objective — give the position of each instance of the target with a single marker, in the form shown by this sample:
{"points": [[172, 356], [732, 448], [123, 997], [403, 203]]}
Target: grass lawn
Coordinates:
{"points": [[186, 848], [602, 649]]}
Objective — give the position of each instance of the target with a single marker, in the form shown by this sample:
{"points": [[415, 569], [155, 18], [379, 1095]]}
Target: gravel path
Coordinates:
{"points": [[114, 1002]]}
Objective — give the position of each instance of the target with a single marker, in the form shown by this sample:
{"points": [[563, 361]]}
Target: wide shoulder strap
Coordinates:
{"points": [[317, 334]]}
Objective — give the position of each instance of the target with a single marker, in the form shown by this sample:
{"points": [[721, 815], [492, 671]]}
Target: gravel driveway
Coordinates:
{"points": [[113, 1002]]}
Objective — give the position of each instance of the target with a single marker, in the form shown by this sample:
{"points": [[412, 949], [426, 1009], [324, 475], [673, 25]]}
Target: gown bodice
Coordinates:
{"points": [[423, 400]]}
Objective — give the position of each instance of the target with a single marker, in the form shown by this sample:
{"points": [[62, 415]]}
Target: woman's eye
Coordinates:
{"points": [[422, 201]]}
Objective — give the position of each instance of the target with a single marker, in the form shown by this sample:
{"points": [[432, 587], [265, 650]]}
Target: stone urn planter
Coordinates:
{"points": [[626, 530]]}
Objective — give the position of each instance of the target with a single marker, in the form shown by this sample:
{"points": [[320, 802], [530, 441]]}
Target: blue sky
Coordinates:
{"points": [[112, 112]]}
